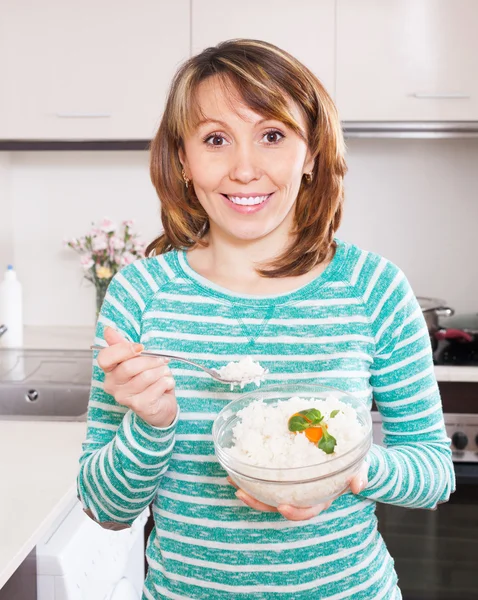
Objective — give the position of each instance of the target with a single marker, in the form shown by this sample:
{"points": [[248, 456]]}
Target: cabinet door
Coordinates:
{"points": [[88, 70], [407, 60], [304, 28]]}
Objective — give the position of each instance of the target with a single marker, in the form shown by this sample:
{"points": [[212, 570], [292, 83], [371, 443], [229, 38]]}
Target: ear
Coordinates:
{"points": [[182, 159], [309, 163]]}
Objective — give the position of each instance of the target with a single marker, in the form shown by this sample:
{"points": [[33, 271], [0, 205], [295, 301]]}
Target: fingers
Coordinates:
{"points": [[249, 500], [253, 503], [112, 336], [148, 397], [111, 356], [146, 379], [359, 482], [131, 369], [294, 513]]}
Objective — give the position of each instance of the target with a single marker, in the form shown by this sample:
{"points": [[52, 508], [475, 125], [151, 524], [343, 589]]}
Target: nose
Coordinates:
{"points": [[245, 164]]}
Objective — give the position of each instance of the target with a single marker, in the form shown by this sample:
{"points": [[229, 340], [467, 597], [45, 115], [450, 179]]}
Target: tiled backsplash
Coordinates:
{"points": [[414, 201]]}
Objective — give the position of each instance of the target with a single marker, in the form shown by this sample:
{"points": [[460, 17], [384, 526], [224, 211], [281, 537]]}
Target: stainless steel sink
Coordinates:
{"points": [[44, 385], [43, 402]]}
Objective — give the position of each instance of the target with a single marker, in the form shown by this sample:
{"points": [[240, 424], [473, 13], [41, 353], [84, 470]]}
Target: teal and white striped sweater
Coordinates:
{"points": [[358, 327]]}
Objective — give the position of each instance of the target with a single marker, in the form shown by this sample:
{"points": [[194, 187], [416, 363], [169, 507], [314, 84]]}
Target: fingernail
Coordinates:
{"points": [[167, 371], [138, 347], [240, 495]]}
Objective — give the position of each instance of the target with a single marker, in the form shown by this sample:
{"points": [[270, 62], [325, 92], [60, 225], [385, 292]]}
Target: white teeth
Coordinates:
{"points": [[248, 201]]}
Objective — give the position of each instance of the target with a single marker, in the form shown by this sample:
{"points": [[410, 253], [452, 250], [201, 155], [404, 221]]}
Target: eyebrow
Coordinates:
{"points": [[223, 124]]}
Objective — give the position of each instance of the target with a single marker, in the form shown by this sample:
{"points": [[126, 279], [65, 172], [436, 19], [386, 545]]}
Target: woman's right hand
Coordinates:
{"points": [[141, 383]]}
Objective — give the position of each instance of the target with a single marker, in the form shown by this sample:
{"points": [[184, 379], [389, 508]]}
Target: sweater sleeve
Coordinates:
{"points": [[123, 457], [415, 467]]}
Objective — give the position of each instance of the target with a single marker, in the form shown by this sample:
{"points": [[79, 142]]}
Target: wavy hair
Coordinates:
{"points": [[265, 78]]}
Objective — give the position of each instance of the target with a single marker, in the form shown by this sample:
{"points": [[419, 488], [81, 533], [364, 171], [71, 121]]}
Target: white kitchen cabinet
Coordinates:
{"points": [[305, 28], [88, 70], [407, 60]]}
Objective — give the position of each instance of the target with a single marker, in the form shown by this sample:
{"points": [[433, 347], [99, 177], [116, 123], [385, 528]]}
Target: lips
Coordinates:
{"points": [[247, 209], [250, 200]]}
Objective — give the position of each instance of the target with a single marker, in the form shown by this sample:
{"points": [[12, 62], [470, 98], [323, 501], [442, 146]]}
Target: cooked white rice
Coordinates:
{"points": [[262, 438], [244, 371]]}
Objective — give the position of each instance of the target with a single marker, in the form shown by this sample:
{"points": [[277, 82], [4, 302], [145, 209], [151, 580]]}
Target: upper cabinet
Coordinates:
{"points": [[88, 70], [305, 28], [407, 60]]}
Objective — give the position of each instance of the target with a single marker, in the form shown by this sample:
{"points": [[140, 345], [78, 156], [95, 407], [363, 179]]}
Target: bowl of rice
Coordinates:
{"points": [[297, 444]]}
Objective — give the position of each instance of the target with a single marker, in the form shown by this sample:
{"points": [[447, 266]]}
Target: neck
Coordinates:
{"points": [[231, 257]]}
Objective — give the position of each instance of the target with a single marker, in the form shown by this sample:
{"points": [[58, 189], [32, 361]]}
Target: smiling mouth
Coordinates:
{"points": [[252, 201]]}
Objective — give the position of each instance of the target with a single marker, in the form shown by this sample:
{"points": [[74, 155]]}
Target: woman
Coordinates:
{"points": [[248, 164]]}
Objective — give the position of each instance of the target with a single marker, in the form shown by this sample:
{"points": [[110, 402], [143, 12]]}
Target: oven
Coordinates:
{"points": [[436, 552]]}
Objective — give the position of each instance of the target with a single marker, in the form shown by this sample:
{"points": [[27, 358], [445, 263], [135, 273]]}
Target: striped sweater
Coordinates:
{"points": [[357, 327]]}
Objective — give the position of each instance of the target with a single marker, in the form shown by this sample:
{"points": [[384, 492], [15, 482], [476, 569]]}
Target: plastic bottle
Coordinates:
{"points": [[11, 310]]}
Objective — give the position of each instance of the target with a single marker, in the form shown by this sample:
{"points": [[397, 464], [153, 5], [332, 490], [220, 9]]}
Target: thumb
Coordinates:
{"points": [[112, 336]]}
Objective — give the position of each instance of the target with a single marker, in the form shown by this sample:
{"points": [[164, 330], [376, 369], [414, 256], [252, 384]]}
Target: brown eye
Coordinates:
{"points": [[215, 138], [272, 136]]}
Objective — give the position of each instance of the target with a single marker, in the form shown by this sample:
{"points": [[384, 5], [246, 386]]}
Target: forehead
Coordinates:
{"points": [[218, 99]]}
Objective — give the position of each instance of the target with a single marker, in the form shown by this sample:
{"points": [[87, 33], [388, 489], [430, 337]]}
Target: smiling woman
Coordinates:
{"points": [[247, 120], [248, 166]]}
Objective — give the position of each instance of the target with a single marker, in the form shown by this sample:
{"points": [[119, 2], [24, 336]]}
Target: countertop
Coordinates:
{"points": [[38, 469], [80, 338]]}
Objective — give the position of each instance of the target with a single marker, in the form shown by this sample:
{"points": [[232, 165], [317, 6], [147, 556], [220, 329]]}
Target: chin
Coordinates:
{"points": [[250, 235]]}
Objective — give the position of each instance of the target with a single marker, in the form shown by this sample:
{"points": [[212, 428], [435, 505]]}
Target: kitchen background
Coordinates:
{"points": [[82, 86], [413, 201]]}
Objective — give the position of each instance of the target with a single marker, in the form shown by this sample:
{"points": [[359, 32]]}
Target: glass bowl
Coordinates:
{"points": [[299, 486]]}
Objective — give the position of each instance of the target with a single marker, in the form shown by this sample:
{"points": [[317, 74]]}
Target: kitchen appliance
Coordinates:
{"points": [[436, 552], [458, 340], [432, 309], [81, 560]]}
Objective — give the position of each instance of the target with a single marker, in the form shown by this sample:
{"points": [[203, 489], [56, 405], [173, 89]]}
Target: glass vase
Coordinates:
{"points": [[101, 287]]}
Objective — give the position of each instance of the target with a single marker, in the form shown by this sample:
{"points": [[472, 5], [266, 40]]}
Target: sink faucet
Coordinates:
{"points": [[3, 329]]}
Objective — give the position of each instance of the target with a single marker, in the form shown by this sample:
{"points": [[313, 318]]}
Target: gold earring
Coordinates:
{"points": [[186, 180], [308, 177]]}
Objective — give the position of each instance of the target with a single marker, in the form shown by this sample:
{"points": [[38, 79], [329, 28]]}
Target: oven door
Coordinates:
{"points": [[436, 551]]}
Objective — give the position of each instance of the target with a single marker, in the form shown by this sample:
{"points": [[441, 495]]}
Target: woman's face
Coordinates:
{"points": [[246, 171]]}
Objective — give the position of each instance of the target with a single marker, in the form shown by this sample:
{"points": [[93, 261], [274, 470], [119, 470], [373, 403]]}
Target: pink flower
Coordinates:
{"points": [[128, 223], [116, 242], [86, 262], [107, 226], [99, 243], [127, 258]]}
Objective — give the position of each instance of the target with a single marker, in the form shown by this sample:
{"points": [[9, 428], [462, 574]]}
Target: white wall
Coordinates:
{"points": [[56, 195], [414, 201]]}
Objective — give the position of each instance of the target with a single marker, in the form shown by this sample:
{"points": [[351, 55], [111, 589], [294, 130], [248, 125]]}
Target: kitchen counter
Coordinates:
{"points": [[38, 468], [81, 338]]}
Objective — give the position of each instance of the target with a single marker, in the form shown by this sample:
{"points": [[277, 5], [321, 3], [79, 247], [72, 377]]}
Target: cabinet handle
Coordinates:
{"points": [[74, 115], [441, 96]]}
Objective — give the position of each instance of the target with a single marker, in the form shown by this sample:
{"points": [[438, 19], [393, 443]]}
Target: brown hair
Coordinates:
{"points": [[265, 77]]}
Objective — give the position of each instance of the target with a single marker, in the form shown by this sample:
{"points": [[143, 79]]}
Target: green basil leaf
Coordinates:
{"points": [[333, 413], [298, 423], [313, 414], [327, 442]]}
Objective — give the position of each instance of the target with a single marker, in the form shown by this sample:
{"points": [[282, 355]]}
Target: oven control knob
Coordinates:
{"points": [[460, 440]]}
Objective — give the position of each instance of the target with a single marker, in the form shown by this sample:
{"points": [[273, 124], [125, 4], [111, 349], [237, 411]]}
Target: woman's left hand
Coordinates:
{"points": [[294, 513]]}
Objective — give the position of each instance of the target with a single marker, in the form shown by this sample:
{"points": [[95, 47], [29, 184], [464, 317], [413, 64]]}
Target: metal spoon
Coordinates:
{"points": [[212, 372]]}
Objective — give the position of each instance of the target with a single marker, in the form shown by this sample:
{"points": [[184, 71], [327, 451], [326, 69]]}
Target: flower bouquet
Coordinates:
{"points": [[104, 251]]}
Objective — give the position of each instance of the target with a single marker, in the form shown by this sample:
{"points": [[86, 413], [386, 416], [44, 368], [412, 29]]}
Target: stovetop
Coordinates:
{"points": [[463, 354]]}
